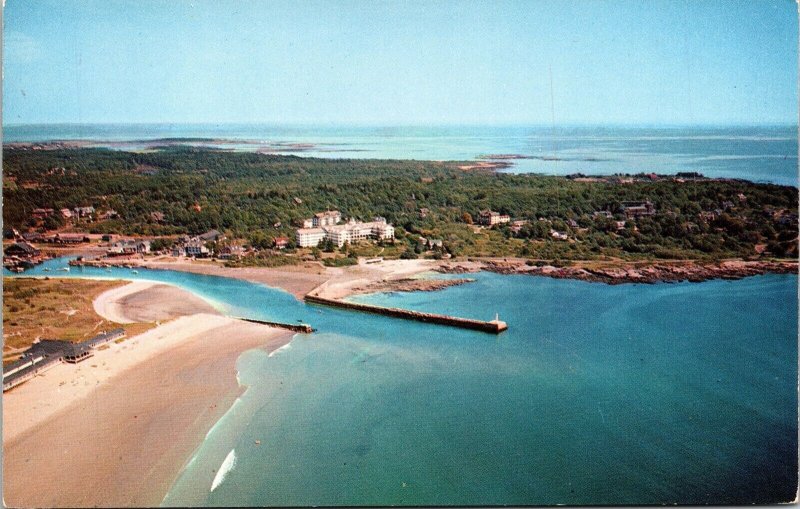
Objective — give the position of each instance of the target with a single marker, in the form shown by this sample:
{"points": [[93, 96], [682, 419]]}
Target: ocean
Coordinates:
{"points": [[756, 153], [631, 394]]}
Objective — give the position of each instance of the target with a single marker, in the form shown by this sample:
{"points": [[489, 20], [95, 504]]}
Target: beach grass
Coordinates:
{"points": [[53, 309]]}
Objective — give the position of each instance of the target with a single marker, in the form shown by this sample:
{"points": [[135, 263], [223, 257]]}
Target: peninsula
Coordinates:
{"points": [[180, 202]]}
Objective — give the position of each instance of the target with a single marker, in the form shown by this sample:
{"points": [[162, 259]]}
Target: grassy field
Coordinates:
{"points": [[53, 309]]}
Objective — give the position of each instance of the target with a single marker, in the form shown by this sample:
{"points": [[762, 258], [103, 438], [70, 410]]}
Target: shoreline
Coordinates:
{"points": [[118, 428], [407, 275], [615, 273], [155, 396]]}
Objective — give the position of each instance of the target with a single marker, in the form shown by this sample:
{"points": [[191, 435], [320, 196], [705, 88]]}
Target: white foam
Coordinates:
{"points": [[287, 346], [227, 465]]}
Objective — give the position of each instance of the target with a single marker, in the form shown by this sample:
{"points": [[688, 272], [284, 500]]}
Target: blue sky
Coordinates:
{"points": [[613, 62]]}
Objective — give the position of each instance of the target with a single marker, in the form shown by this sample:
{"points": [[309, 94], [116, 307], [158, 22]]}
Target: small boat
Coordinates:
{"points": [[108, 270], [46, 269], [135, 271], [64, 269]]}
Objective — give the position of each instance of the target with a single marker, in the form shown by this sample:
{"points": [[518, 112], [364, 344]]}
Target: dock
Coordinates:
{"points": [[298, 327], [495, 326]]}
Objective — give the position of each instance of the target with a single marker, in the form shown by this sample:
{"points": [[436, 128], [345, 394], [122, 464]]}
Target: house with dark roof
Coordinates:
{"points": [[638, 208], [70, 238], [42, 213], [22, 249], [210, 236]]}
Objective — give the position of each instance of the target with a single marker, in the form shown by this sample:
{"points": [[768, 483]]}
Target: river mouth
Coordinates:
{"points": [[637, 394]]}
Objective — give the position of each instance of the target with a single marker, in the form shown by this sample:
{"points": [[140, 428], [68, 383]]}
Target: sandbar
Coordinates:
{"points": [[145, 301]]}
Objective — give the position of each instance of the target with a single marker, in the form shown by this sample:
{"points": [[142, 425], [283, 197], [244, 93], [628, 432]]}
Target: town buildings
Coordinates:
{"points": [[129, 247]]}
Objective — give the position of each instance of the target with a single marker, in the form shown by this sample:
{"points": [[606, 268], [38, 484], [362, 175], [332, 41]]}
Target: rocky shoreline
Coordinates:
{"points": [[409, 285], [655, 273]]}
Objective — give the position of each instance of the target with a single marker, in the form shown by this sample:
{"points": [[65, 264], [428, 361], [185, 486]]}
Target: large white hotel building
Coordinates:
{"points": [[325, 226]]}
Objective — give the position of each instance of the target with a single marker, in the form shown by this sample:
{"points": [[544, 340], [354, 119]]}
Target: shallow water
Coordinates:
{"points": [[757, 153], [630, 394]]}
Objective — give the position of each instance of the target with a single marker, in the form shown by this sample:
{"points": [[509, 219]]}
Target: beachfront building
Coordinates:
{"points": [[491, 218], [327, 218], [46, 353], [352, 231]]}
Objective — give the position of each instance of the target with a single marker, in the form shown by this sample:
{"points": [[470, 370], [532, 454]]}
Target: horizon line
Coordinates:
{"points": [[412, 124]]}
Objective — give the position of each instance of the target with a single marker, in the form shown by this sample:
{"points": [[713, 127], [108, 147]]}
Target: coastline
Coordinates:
{"points": [[155, 396], [116, 429], [629, 272], [408, 275]]}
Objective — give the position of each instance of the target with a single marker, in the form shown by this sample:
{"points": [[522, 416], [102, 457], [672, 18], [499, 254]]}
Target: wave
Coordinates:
{"points": [[227, 465], [287, 346]]}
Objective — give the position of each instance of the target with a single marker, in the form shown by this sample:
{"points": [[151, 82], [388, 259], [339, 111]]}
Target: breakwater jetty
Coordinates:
{"points": [[494, 326], [299, 327]]}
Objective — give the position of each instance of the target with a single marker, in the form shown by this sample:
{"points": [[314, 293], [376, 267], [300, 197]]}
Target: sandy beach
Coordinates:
{"points": [[116, 429], [145, 301], [297, 280]]}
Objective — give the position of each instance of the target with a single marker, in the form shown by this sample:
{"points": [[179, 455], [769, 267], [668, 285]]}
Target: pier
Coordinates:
{"points": [[495, 326], [299, 327]]}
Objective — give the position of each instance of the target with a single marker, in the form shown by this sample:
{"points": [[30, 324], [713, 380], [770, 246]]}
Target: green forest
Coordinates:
{"points": [[256, 197]]}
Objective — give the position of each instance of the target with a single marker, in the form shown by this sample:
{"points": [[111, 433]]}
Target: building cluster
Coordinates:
{"points": [[197, 246], [77, 212], [128, 247], [325, 226]]}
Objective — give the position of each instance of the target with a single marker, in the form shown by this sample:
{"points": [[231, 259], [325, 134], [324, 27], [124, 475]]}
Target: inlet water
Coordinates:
{"points": [[630, 394]]}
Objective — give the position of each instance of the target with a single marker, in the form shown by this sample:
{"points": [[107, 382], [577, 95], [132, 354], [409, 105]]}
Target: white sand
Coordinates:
{"points": [[108, 305]]}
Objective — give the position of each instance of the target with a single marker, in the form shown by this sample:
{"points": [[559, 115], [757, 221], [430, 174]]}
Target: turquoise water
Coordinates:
{"points": [[632, 394], [757, 153]]}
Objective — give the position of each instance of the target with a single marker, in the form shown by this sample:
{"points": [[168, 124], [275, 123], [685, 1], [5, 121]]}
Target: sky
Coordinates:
{"points": [[404, 62]]}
